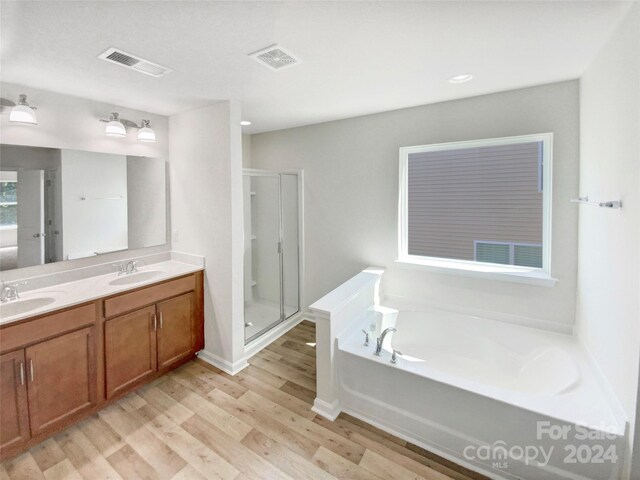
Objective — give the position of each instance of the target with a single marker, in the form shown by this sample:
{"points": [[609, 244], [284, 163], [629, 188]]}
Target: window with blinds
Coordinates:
{"points": [[479, 201]]}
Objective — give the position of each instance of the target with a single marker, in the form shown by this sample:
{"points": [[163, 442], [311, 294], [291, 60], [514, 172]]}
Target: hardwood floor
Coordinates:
{"points": [[197, 422]]}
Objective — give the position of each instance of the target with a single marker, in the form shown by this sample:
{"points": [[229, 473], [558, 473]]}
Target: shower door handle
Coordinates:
{"points": [[279, 248]]}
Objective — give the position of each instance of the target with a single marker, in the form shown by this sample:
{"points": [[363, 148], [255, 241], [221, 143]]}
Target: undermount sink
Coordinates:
{"points": [[17, 307], [136, 277]]}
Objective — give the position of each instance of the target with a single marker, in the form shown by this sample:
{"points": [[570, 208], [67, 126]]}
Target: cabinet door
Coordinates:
{"points": [[130, 349], [176, 329], [14, 419], [61, 379]]}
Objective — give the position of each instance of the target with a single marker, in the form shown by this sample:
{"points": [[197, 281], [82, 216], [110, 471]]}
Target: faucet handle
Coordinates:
{"points": [[394, 356], [366, 337], [122, 268], [134, 265], [15, 286]]}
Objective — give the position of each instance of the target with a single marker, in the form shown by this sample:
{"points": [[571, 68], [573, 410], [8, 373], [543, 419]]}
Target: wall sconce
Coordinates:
{"points": [[118, 127], [146, 133], [23, 112], [115, 128]]}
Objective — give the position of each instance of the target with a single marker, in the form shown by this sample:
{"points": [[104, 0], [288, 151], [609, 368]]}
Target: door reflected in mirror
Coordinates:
{"points": [[58, 204]]}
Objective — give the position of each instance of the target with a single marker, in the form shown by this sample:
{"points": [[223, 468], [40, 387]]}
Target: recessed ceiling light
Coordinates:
{"points": [[463, 77], [245, 123]]}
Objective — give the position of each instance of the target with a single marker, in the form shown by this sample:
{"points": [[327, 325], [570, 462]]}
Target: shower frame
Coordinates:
{"points": [[254, 342]]}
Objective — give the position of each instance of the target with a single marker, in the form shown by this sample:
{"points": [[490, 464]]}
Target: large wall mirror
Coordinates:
{"points": [[58, 204]]}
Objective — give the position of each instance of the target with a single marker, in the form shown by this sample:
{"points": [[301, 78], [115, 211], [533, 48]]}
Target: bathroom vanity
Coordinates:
{"points": [[68, 360]]}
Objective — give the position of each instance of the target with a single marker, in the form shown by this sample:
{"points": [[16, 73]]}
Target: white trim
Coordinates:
{"points": [[491, 271], [479, 269], [330, 411], [222, 364]]}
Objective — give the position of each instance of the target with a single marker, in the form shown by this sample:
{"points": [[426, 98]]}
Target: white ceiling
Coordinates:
{"points": [[357, 57]]}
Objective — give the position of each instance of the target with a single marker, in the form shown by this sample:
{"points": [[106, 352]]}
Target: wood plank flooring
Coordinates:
{"points": [[197, 422]]}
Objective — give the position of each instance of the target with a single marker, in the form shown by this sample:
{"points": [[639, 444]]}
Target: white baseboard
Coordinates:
{"points": [[330, 411], [309, 316], [224, 365]]}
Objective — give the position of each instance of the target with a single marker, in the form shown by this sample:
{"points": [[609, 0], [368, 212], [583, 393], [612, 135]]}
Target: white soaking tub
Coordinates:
{"points": [[464, 384], [506, 400]]}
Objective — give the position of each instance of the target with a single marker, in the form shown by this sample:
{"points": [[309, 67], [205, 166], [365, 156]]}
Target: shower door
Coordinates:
{"points": [[271, 262]]}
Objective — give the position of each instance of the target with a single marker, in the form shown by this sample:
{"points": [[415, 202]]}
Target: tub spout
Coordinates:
{"points": [[380, 340]]}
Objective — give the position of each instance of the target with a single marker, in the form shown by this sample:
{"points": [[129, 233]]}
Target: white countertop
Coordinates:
{"points": [[88, 289]]}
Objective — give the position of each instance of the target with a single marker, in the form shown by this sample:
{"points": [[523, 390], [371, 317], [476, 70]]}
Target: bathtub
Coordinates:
{"points": [[505, 400]]}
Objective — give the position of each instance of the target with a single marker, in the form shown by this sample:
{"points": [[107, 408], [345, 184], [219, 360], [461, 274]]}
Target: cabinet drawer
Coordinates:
{"points": [[147, 296], [33, 331]]}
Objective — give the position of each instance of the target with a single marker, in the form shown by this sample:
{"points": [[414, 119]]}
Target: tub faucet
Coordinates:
{"points": [[366, 338], [394, 357], [380, 340]]}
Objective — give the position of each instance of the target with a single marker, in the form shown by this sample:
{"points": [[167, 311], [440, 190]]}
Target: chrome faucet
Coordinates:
{"points": [[132, 266], [380, 340], [9, 293], [395, 355], [127, 268]]}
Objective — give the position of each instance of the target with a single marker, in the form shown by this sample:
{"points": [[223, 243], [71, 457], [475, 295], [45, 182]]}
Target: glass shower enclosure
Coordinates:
{"points": [[271, 250]]}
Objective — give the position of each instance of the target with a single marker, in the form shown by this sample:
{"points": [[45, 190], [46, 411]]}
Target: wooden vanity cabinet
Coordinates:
{"points": [[49, 379], [153, 338], [14, 416], [57, 368], [176, 329], [129, 350], [61, 379]]}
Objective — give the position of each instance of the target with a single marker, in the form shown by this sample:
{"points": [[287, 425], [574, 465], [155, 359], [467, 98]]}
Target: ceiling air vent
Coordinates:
{"points": [[274, 57], [136, 63]]}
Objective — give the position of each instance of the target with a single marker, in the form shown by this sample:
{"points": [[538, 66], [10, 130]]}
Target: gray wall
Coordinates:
{"points": [[351, 194]]}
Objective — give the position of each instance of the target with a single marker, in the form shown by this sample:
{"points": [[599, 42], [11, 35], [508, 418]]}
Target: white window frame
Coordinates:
{"points": [[519, 274]]}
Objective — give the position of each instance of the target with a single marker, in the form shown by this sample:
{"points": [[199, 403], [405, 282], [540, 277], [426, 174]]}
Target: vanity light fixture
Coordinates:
{"points": [[23, 112], [245, 123], [146, 133], [115, 127], [118, 127], [461, 78]]}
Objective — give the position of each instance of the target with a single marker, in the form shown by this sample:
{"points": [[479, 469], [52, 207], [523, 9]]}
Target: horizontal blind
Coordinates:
{"points": [[493, 252], [460, 196], [527, 255]]}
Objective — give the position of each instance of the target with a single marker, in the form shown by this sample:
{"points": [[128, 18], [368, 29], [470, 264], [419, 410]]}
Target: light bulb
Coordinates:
{"points": [[146, 133], [115, 127], [23, 113]]}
